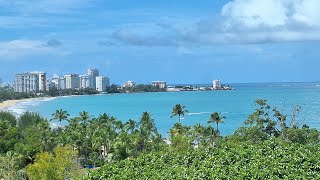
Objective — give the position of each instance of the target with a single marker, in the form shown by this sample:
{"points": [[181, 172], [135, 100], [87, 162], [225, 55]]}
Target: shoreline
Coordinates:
{"points": [[5, 105]]}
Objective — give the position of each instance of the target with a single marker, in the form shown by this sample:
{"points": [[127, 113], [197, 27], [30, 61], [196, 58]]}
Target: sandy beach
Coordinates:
{"points": [[7, 104]]}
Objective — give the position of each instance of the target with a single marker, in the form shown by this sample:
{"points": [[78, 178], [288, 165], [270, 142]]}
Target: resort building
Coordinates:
{"points": [[129, 84], [92, 73], [30, 82], [62, 83], [160, 84], [72, 81], [49, 84], [58, 82], [216, 84], [102, 83], [85, 81]]}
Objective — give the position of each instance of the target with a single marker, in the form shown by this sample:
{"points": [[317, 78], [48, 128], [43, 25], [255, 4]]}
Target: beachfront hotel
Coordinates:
{"points": [[92, 73], [30, 82], [85, 81], [160, 84], [72, 81], [58, 82], [102, 83]]}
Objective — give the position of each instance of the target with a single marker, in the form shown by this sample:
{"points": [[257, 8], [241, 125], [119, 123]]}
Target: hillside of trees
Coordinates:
{"points": [[270, 145]]}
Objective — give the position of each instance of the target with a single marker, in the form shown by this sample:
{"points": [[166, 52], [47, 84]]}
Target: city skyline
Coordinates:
{"points": [[237, 41]]}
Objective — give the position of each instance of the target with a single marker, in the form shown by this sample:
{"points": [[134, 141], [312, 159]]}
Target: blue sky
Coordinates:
{"points": [[178, 41]]}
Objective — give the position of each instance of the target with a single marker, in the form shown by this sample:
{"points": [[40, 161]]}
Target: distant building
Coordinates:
{"points": [[72, 81], [92, 73], [49, 84], [102, 83], [0, 81], [30, 82], [62, 83], [160, 84], [42, 81], [84, 81], [216, 84], [129, 84]]}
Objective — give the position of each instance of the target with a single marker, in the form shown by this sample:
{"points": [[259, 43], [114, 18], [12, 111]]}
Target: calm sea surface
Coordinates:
{"points": [[236, 105]]}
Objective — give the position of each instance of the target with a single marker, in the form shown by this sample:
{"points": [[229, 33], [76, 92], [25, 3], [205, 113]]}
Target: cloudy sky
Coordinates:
{"points": [[174, 40]]}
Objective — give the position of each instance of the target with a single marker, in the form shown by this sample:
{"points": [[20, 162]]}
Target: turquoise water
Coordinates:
{"points": [[236, 105]]}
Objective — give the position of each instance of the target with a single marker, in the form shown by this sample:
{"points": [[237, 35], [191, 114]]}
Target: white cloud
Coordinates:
{"points": [[272, 13], [19, 48], [255, 21], [253, 13]]}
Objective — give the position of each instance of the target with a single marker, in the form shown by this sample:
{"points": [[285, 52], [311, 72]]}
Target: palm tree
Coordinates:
{"points": [[179, 110], [60, 115], [130, 125], [84, 117], [215, 118]]}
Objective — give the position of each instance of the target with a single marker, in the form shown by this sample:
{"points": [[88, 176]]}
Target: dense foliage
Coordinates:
{"points": [[7, 93], [272, 159], [140, 88], [267, 146], [53, 92]]}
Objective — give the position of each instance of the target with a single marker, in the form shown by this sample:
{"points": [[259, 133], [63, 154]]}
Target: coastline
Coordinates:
{"points": [[5, 105]]}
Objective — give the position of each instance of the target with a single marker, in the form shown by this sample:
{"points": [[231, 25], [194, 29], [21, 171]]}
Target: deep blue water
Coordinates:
{"points": [[236, 105]]}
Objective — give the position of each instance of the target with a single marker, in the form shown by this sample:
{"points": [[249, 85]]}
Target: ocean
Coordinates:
{"points": [[235, 105]]}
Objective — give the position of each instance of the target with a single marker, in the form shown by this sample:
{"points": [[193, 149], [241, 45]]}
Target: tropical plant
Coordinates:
{"points": [[179, 110], [60, 115], [216, 118]]}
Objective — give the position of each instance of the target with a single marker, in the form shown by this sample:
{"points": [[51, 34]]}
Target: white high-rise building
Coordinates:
{"points": [[160, 84], [42, 81], [56, 81], [30, 82], [102, 83], [84, 81], [62, 83], [72, 81], [216, 84], [59, 82], [92, 73]]}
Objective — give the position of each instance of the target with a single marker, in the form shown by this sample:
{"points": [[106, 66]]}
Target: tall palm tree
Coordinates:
{"points": [[84, 117], [60, 115], [216, 118], [130, 125], [179, 110]]}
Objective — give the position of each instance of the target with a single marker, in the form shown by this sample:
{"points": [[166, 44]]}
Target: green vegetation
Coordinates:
{"points": [[140, 88], [272, 159], [7, 93], [179, 110], [53, 92], [268, 146]]}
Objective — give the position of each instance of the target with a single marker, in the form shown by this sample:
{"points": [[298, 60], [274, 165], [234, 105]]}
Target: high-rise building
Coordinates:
{"points": [[216, 84], [72, 81], [102, 83], [160, 84], [59, 82], [30, 82], [92, 73], [0, 81], [49, 84], [84, 81], [42, 81], [62, 83]]}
